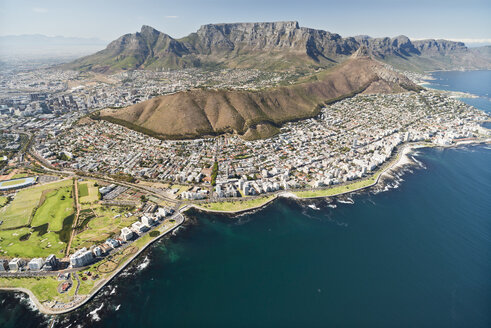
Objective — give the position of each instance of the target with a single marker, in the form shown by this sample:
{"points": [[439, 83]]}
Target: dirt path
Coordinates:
{"points": [[75, 221]]}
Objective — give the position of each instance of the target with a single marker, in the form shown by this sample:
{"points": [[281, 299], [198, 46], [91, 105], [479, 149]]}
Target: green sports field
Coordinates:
{"points": [[88, 192], [83, 190]]}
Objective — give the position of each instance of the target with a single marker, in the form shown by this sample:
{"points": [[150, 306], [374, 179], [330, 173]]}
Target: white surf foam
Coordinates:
{"points": [[144, 264], [346, 201], [94, 314]]}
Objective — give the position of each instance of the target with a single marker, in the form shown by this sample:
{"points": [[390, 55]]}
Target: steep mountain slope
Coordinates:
{"points": [[273, 46], [258, 114]]}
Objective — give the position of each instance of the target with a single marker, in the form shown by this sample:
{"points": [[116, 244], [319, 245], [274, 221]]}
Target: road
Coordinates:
{"points": [[75, 221]]}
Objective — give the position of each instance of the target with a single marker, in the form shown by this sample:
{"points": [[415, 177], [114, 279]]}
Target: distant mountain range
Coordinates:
{"points": [[274, 46], [33, 45]]}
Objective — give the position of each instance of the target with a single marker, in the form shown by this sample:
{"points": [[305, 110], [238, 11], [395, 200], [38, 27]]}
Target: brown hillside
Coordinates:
{"points": [[256, 114]]}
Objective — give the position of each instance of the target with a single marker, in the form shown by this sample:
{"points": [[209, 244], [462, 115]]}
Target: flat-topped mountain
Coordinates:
{"points": [[255, 114], [272, 46]]}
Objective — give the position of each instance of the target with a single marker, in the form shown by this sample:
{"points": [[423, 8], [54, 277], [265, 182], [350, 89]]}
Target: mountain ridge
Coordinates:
{"points": [[273, 46]]}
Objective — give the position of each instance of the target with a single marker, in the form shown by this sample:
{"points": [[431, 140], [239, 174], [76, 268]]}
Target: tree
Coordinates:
{"points": [[214, 173]]}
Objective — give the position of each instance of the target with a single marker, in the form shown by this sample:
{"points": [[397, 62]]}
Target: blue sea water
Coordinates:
{"points": [[476, 83], [414, 256]]}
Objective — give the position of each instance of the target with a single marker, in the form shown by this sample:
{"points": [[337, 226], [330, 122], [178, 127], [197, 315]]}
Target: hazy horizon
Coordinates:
{"points": [[109, 20]]}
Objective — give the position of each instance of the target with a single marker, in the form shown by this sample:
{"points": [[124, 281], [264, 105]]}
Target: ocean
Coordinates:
{"points": [[413, 253]]}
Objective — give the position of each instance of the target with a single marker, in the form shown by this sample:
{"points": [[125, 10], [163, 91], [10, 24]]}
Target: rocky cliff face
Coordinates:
{"points": [[265, 45], [439, 47]]}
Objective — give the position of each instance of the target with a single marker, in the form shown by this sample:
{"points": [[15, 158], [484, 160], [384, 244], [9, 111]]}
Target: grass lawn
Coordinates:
{"points": [[83, 190], [237, 205], [142, 241], [86, 286], [103, 226], [19, 211], [14, 243], [56, 207], [44, 288], [3, 200], [337, 190], [13, 182], [88, 192]]}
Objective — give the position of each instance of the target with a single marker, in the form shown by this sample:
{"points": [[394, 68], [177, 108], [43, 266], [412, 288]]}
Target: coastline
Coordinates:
{"points": [[401, 159], [101, 284]]}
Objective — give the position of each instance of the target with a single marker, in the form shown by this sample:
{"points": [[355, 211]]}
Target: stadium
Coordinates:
{"points": [[17, 183]]}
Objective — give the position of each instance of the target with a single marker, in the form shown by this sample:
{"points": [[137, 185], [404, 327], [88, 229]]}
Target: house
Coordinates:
{"points": [[36, 264], [16, 264], [126, 234]]}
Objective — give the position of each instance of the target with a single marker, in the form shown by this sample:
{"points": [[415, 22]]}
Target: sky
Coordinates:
{"points": [[469, 20]]}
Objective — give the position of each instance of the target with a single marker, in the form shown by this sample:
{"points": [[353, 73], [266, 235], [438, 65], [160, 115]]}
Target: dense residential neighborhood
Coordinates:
{"points": [[347, 141]]}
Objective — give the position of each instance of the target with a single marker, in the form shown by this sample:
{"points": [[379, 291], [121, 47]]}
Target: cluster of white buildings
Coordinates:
{"points": [[146, 222], [84, 256], [36, 264]]}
